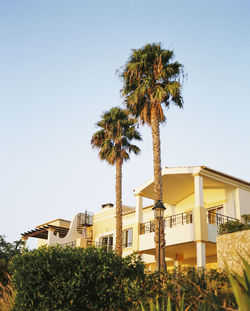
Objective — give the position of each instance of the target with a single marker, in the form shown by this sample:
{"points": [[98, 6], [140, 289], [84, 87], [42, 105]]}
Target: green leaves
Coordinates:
{"points": [[94, 279], [234, 226], [75, 279], [151, 78], [7, 252], [113, 140], [241, 286], [186, 289]]}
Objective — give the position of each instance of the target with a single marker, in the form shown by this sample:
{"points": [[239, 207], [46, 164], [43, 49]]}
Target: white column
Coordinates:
{"points": [[198, 191], [200, 222], [201, 254], [138, 208], [237, 204], [138, 220]]}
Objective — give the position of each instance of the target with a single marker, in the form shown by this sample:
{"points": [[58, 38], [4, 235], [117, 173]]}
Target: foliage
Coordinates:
{"points": [[151, 78], [160, 304], [7, 296], [246, 220], [7, 251], [75, 279], [200, 288], [235, 225], [93, 279], [113, 140], [165, 304], [241, 286], [210, 285]]}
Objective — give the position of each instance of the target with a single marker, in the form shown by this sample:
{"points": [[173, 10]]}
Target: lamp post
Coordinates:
{"points": [[159, 210]]}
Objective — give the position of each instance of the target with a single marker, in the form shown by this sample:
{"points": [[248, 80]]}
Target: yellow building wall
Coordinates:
{"points": [[104, 223], [211, 197]]}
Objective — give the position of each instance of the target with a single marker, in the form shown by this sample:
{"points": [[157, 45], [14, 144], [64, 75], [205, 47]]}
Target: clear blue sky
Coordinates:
{"points": [[57, 75]]}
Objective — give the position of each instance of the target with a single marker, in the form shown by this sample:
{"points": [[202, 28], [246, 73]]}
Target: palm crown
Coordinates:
{"points": [[114, 138], [151, 78]]}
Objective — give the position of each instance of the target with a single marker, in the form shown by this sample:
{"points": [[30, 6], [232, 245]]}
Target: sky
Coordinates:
{"points": [[58, 63]]}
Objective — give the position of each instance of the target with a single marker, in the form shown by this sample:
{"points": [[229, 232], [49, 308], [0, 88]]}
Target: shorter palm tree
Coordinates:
{"points": [[113, 140]]}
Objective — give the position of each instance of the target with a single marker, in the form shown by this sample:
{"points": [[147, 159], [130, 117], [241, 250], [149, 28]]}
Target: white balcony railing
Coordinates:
{"points": [[170, 222], [217, 219]]}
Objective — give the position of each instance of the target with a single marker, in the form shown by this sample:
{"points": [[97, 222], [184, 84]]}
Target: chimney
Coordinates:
{"points": [[109, 205]]}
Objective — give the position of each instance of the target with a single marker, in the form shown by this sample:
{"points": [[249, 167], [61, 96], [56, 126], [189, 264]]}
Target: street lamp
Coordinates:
{"points": [[159, 210]]}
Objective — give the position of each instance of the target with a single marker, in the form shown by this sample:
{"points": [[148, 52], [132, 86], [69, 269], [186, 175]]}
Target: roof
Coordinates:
{"points": [[185, 175], [52, 222], [226, 175], [42, 232]]}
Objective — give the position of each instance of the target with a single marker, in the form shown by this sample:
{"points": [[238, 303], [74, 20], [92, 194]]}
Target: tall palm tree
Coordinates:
{"points": [[113, 140], [151, 80]]}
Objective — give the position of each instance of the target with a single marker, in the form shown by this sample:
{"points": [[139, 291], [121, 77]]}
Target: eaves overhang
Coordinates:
{"points": [[194, 170], [225, 178]]}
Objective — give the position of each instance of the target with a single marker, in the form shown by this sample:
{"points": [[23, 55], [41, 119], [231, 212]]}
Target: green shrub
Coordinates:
{"points": [[246, 220], [199, 287], [230, 227], [7, 252], [235, 225], [69, 279], [7, 296], [52, 278]]}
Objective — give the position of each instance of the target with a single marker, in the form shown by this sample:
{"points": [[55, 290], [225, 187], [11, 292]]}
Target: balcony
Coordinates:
{"points": [[170, 222], [179, 229], [213, 221], [217, 219]]}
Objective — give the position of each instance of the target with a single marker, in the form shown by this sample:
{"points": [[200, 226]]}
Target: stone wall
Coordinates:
{"points": [[228, 245]]}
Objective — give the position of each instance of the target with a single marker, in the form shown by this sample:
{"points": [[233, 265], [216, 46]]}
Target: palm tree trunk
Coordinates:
{"points": [[118, 191], [160, 257]]}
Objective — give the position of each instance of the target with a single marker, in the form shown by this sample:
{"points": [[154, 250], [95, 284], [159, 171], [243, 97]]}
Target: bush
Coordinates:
{"points": [[198, 287], [7, 296], [52, 278], [7, 252], [246, 220], [232, 226]]}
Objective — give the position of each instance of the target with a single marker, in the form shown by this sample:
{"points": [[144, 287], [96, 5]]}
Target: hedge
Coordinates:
{"points": [[52, 278]]}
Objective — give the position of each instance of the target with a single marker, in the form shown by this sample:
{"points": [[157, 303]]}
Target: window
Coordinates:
{"points": [[127, 238], [214, 215], [107, 242]]}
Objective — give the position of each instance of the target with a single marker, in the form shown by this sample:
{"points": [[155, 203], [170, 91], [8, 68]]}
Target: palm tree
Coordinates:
{"points": [[151, 80], [113, 140]]}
